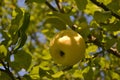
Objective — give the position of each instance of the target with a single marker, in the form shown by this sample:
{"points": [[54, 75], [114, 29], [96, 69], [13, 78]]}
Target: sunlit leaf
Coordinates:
{"points": [[46, 55], [34, 73], [118, 45], [105, 1], [104, 63], [15, 24], [115, 75], [57, 74], [91, 8], [45, 65], [78, 74], [3, 51], [91, 49]]}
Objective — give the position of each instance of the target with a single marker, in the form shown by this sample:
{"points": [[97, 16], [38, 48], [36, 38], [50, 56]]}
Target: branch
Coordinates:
{"points": [[59, 5], [105, 8], [95, 41], [7, 70], [114, 52], [50, 6]]}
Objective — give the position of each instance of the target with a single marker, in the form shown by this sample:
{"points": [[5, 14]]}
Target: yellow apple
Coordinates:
{"points": [[67, 47]]}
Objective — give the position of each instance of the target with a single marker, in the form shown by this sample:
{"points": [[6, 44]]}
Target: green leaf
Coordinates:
{"points": [[45, 54], [22, 39], [22, 59], [105, 1], [88, 71], [112, 27], [42, 72], [118, 45], [6, 37], [91, 49], [114, 5], [26, 21], [101, 17], [78, 74], [15, 24], [4, 76], [34, 73], [15, 38], [115, 76], [104, 63], [26, 77], [58, 74], [3, 51], [56, 22], [109, 42], [37, 1], [81, 4], [63, 17]]}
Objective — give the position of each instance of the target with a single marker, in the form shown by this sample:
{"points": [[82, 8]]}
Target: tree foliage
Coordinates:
{"points": [[26, 28]]}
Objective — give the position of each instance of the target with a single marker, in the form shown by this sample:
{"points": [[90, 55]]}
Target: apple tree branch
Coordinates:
{"points": [[105, 8]]}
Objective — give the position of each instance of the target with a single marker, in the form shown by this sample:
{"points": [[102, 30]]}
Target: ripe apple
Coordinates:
{"points": [[67, 47]]}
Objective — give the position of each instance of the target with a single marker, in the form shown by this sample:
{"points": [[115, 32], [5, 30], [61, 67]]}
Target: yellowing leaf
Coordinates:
{"points": [[3, 51], [91, 49], [104, 63], [45, 65], [77, 74], [34, 73], [115, 76], [46, 55], [58, 74]]}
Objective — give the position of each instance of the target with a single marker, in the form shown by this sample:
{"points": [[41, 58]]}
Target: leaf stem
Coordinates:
{"points": [[50, 6], [7, 70], [59, 5]]}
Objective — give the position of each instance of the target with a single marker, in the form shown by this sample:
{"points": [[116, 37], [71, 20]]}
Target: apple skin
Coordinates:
{"points": [[67, 47]]}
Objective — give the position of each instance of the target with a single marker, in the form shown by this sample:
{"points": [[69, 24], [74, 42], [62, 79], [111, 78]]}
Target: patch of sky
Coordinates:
{"points": [[53, 4], [12, 58], [21, 3], [102, 75], [41, 37], [1, 39], [88, 18], [22, 72]]}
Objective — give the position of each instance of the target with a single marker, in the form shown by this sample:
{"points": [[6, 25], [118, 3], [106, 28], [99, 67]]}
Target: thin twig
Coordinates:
{"points": [[59, 5], [50, 6], [7, 70], [100, 44], [114, 52]]}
